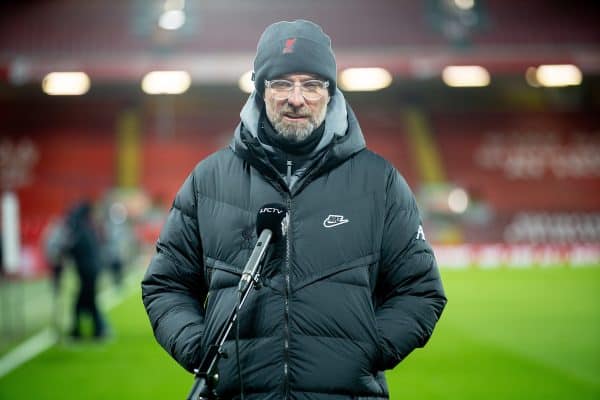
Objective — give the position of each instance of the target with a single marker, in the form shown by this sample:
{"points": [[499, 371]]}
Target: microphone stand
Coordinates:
{"points": [[207, 374]]}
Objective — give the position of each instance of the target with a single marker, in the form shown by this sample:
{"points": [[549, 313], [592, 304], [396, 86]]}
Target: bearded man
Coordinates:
{"points": [[352, 289]]}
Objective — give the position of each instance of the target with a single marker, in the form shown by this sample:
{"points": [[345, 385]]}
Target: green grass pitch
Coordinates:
{"points": [[505, 334]]}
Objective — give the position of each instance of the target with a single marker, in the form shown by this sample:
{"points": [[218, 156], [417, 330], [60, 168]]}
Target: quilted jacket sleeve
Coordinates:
{"points": [[173, 288], [409, 293]]}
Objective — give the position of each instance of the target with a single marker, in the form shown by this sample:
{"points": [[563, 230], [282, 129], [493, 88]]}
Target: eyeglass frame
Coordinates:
{"points": [[268, 84]]}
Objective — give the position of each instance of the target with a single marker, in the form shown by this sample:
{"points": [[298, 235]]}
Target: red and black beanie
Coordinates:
{"points": [[294, 47]]}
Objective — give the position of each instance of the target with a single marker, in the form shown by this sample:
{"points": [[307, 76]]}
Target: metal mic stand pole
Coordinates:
{"points": [[207, 374]]}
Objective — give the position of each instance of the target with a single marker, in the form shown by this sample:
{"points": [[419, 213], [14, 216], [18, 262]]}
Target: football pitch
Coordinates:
{"points": [[505, 334]]}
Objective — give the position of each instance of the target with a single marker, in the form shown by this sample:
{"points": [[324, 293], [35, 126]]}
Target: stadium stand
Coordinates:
{"points": [[538, 172], [528, 158]]}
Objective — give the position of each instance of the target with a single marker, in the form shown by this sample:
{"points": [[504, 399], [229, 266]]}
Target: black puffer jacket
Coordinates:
{"points": [[350, 293]]}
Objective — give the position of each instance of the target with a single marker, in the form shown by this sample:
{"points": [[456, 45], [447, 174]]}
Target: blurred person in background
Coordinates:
{"points": [[352, 290], [56, 240], [55, 243], [85, 251], [115, 237]]}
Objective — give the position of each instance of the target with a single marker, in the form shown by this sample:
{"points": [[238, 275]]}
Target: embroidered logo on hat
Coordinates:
{"points": [[289, 46]]}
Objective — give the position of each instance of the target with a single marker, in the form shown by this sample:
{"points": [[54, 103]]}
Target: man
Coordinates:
{"points": [[352, 289], [84, 249]]}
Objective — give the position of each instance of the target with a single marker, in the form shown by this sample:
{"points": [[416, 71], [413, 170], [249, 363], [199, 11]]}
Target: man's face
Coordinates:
{"points": [[294, 117]]}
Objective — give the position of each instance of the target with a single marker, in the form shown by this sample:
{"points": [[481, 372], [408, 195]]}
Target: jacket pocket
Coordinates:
{"points": [[220, 275], [378, 361], [222, 280]]}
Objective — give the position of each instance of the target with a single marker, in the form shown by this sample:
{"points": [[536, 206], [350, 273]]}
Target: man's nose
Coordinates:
{"points": [[296, 98]]}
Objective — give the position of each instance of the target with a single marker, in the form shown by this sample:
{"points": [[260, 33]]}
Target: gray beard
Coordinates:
{"points": [[293, 132]]}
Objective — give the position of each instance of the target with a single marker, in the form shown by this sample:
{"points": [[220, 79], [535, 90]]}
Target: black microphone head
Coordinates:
{"points": [[274, 217]]}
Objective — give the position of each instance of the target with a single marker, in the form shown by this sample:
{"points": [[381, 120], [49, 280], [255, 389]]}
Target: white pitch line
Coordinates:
{"points": [[27, 350], [47, 338]]}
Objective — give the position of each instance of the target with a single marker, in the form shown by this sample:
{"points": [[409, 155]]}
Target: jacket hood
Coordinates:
{"points": [[342, 137]]}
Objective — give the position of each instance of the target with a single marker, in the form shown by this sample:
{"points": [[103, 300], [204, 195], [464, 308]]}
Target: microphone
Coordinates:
{"points": [[272, 223]]}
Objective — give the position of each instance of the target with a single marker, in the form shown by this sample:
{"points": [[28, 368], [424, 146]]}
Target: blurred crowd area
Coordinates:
{"points": [[126, 223], [74, 263]]}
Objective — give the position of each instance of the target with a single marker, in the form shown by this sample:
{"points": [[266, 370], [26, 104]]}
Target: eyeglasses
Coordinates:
{"points": [[311, 90]]}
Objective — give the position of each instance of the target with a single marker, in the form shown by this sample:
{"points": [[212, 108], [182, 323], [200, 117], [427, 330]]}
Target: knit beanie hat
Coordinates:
{"points": [[289, 47]]}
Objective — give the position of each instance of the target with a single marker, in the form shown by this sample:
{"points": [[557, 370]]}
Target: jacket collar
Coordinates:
{"points": [[342, 138]]}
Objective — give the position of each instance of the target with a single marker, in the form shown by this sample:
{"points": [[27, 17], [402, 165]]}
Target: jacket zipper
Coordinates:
{"points": [[286, 328], [289, 175]]}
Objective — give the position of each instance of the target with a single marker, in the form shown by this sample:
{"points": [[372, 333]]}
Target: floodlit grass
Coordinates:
{"points": [[131, 365], [25, 308], [506, 334], [510, 334]]}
